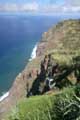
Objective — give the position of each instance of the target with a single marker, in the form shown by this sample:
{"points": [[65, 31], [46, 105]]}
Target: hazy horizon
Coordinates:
{"points": [[46, 6]]}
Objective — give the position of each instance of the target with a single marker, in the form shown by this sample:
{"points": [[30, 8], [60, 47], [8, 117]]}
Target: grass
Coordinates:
{"points": [[41, 107]]}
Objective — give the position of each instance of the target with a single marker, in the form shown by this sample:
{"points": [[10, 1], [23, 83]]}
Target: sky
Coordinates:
{"points": [[30, 1], [45, 6]]}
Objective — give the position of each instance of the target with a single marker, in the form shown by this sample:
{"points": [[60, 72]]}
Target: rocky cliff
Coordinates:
{"points": [[62, 41]]}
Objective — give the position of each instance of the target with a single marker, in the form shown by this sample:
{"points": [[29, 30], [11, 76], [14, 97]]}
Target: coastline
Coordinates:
{"points": [[49, 43], [18, 88], [33, 56], [4, 96]]}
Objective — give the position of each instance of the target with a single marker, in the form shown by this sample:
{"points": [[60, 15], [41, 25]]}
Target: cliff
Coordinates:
{"points": [[62, 41]]}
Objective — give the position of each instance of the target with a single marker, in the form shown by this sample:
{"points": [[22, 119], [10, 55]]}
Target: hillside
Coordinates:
{"points": [[62, 41]]}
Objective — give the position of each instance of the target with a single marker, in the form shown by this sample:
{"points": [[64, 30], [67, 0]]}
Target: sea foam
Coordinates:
{"points": [[4, 96], [33, 55]]}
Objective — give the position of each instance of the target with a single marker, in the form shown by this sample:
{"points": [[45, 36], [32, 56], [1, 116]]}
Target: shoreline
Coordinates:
{"points": [[18, 88], [33, 56], [4, 96]]}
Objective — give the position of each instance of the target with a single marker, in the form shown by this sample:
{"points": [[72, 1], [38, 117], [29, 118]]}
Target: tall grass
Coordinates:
{"points": [[48, 107]]}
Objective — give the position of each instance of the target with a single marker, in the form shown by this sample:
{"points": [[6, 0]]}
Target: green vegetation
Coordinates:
{"points": [[65, 105]]}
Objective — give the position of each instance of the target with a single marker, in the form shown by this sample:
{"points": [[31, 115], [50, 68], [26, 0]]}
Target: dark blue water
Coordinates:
{"points": [[18, 35]]}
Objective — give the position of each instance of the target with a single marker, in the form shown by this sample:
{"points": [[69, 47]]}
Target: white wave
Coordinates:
{"points": [[4, 96], [33, 55]]}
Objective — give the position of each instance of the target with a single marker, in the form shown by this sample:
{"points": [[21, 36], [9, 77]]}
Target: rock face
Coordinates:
{"points": [[62, 41]]}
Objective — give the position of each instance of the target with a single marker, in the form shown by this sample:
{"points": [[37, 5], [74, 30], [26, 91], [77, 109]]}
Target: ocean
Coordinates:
{"points": [[19, 33]]}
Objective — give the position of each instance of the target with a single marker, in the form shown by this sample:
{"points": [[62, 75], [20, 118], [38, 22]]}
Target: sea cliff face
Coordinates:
{"points": [[62, 41]]}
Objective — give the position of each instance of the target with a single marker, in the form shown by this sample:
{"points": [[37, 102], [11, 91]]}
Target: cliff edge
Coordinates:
{"points": [[62, 41]]}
